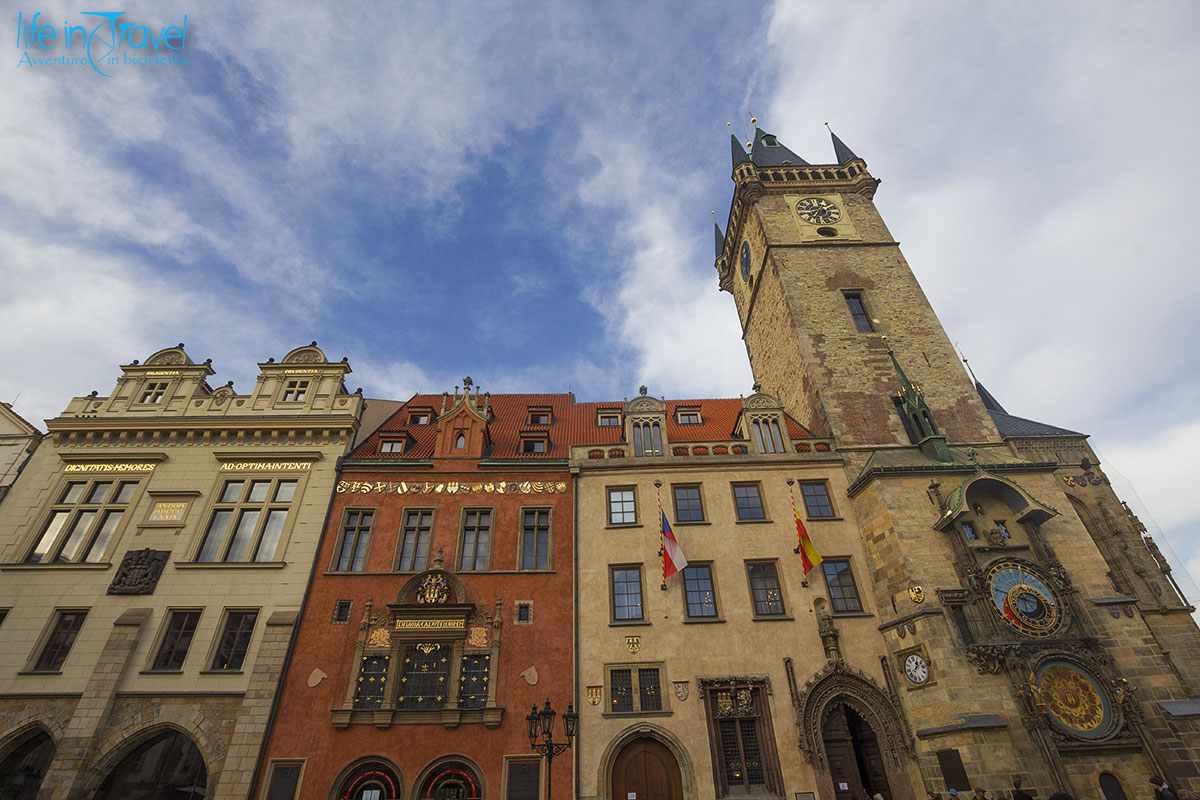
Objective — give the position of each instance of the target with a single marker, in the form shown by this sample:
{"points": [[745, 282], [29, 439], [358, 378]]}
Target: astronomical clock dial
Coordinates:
{"points": [[818, 211], [916, 669], [1075, 700], [745, 260], [1024, 600]]}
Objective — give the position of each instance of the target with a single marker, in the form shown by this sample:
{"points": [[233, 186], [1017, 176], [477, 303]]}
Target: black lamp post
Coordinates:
{"points": [[541, 724]]}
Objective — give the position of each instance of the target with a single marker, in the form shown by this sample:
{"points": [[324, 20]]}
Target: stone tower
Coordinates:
{"points": [[1029, 627], [818, 279]]}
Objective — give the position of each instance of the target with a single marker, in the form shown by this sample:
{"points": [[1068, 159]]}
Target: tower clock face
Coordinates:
{"points": [[818, 211], [1024, 600], [916, 669], [745, 260]]}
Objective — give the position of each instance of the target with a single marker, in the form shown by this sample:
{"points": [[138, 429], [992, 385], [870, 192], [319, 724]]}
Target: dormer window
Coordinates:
{"points": [[688, 416], [767, 435], [393, 446], [539, 416], [418, 418], [534, 445], [608, 419], [770, 141], [647, 438], [295, 391], [153, 392]]}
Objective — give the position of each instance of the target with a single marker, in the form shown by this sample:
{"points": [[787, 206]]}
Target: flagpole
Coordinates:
{"points": [[662, 564]]}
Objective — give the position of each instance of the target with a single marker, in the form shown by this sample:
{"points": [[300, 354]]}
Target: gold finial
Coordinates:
{"points": [[826, 124], [714, 215], [753, 119]]}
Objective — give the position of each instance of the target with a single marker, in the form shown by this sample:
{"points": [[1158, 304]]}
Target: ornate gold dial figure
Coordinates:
{"points": [[818, 211], [1074, 699], [1023, 599]]}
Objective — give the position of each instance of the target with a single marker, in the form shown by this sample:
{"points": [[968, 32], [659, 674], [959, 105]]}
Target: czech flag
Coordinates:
{"points": [[809, 557], [673, 558]]}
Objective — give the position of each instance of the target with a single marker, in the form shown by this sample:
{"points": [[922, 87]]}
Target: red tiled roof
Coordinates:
{"points": [[571, 423]]}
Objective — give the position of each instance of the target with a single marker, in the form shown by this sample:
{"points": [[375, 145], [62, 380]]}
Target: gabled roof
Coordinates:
{"points": [[768, 152], [17, 421], [1010, 426], [571, 424]]}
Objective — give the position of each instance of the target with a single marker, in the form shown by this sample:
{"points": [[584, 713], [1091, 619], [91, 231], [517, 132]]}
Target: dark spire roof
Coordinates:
{"points": [[768, 152], [843, 154], [989, 402], [739, 155], [720, 237]]}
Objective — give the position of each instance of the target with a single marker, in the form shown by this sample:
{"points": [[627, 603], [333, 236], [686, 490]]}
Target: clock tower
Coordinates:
{"points": [[822, 289]]}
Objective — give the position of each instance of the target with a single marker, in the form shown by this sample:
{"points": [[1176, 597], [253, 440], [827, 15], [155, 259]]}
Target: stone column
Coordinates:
{"points": [[96, 703], [237, 774]]}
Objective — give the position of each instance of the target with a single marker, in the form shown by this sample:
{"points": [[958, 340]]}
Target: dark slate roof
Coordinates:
{"points": [[764, 154], [1010, 426], [843, 154], [720, 237], [989, 402], [739, 155]]}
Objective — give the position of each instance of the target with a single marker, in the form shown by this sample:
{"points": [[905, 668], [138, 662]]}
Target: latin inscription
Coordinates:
{"points": [[272, 466], [108, 468], [451, 487], [425, 624], [167, 512]]}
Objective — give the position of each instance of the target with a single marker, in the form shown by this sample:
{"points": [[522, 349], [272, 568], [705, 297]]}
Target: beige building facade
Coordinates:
{"points": [[18, 439], [155, 554]]}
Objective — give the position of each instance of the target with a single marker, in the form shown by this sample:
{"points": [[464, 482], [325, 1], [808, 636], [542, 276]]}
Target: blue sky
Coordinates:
{"points": [[522, 193]]}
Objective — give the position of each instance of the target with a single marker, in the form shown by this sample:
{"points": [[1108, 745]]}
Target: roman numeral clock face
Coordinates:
{"points": [[915, 669], [1023, 599], [818, 211]]}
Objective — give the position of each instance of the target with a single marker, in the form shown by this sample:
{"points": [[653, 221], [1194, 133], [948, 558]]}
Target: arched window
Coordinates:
{"points": [[1111, 786], [452, 780], [647, 439], [22, 770], [767, 435], [164, 767], [460, 442], [371, 780]]}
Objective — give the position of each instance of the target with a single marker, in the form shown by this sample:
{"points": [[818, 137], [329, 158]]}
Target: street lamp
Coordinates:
{"points": [[541, 724]]}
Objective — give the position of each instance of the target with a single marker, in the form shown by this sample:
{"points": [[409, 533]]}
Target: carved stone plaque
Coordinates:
{"points": [[139, 572]]}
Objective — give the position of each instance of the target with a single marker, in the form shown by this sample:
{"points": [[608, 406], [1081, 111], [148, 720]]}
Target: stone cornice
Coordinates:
{"points": [[315, 431]]}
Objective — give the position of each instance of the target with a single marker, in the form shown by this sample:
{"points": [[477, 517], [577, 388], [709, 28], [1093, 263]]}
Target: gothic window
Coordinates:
{"points": [[473, 680], [535, 539], [295, 391], [647, 438], [699, 594], [424, 673], [739, 725], [748, 502], [414, 546], [622, 508], [858, 311], [627, 593], [247, 521], [22, 770], [234, 640], [635, 689], [82, 523], [58, 644], [460, 442], [355, 540], [688, 505], [372, 682], [767, 435], [153, 392], [816, 499], [167, 765], [764, 589], [843, 594], [475, 541], [176, 640], [909, 428]]}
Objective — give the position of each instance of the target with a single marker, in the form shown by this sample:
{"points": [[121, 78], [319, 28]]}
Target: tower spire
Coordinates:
{"points": [[739, 155], [718, 236], [914, 407], [843, 154]]}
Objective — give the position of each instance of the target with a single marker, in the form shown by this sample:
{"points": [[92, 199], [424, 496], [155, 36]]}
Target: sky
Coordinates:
{"points": [[523, 192]]}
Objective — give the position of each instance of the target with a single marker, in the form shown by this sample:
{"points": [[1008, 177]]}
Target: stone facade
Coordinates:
{"points": [[18, 439], [167, 503]]}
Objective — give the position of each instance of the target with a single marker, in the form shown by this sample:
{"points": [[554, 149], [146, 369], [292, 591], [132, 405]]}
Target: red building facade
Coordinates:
{"points": [[440, 610]]}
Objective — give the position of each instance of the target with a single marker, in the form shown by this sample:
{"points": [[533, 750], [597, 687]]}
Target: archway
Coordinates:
{"points": [[167, 766], [452, 780], [852, 750], [646, 769], [371, 779], [22, 770], [1110, 785]]}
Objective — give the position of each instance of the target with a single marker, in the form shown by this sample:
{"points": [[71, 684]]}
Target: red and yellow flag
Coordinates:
{"points": [[809, 557]]}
